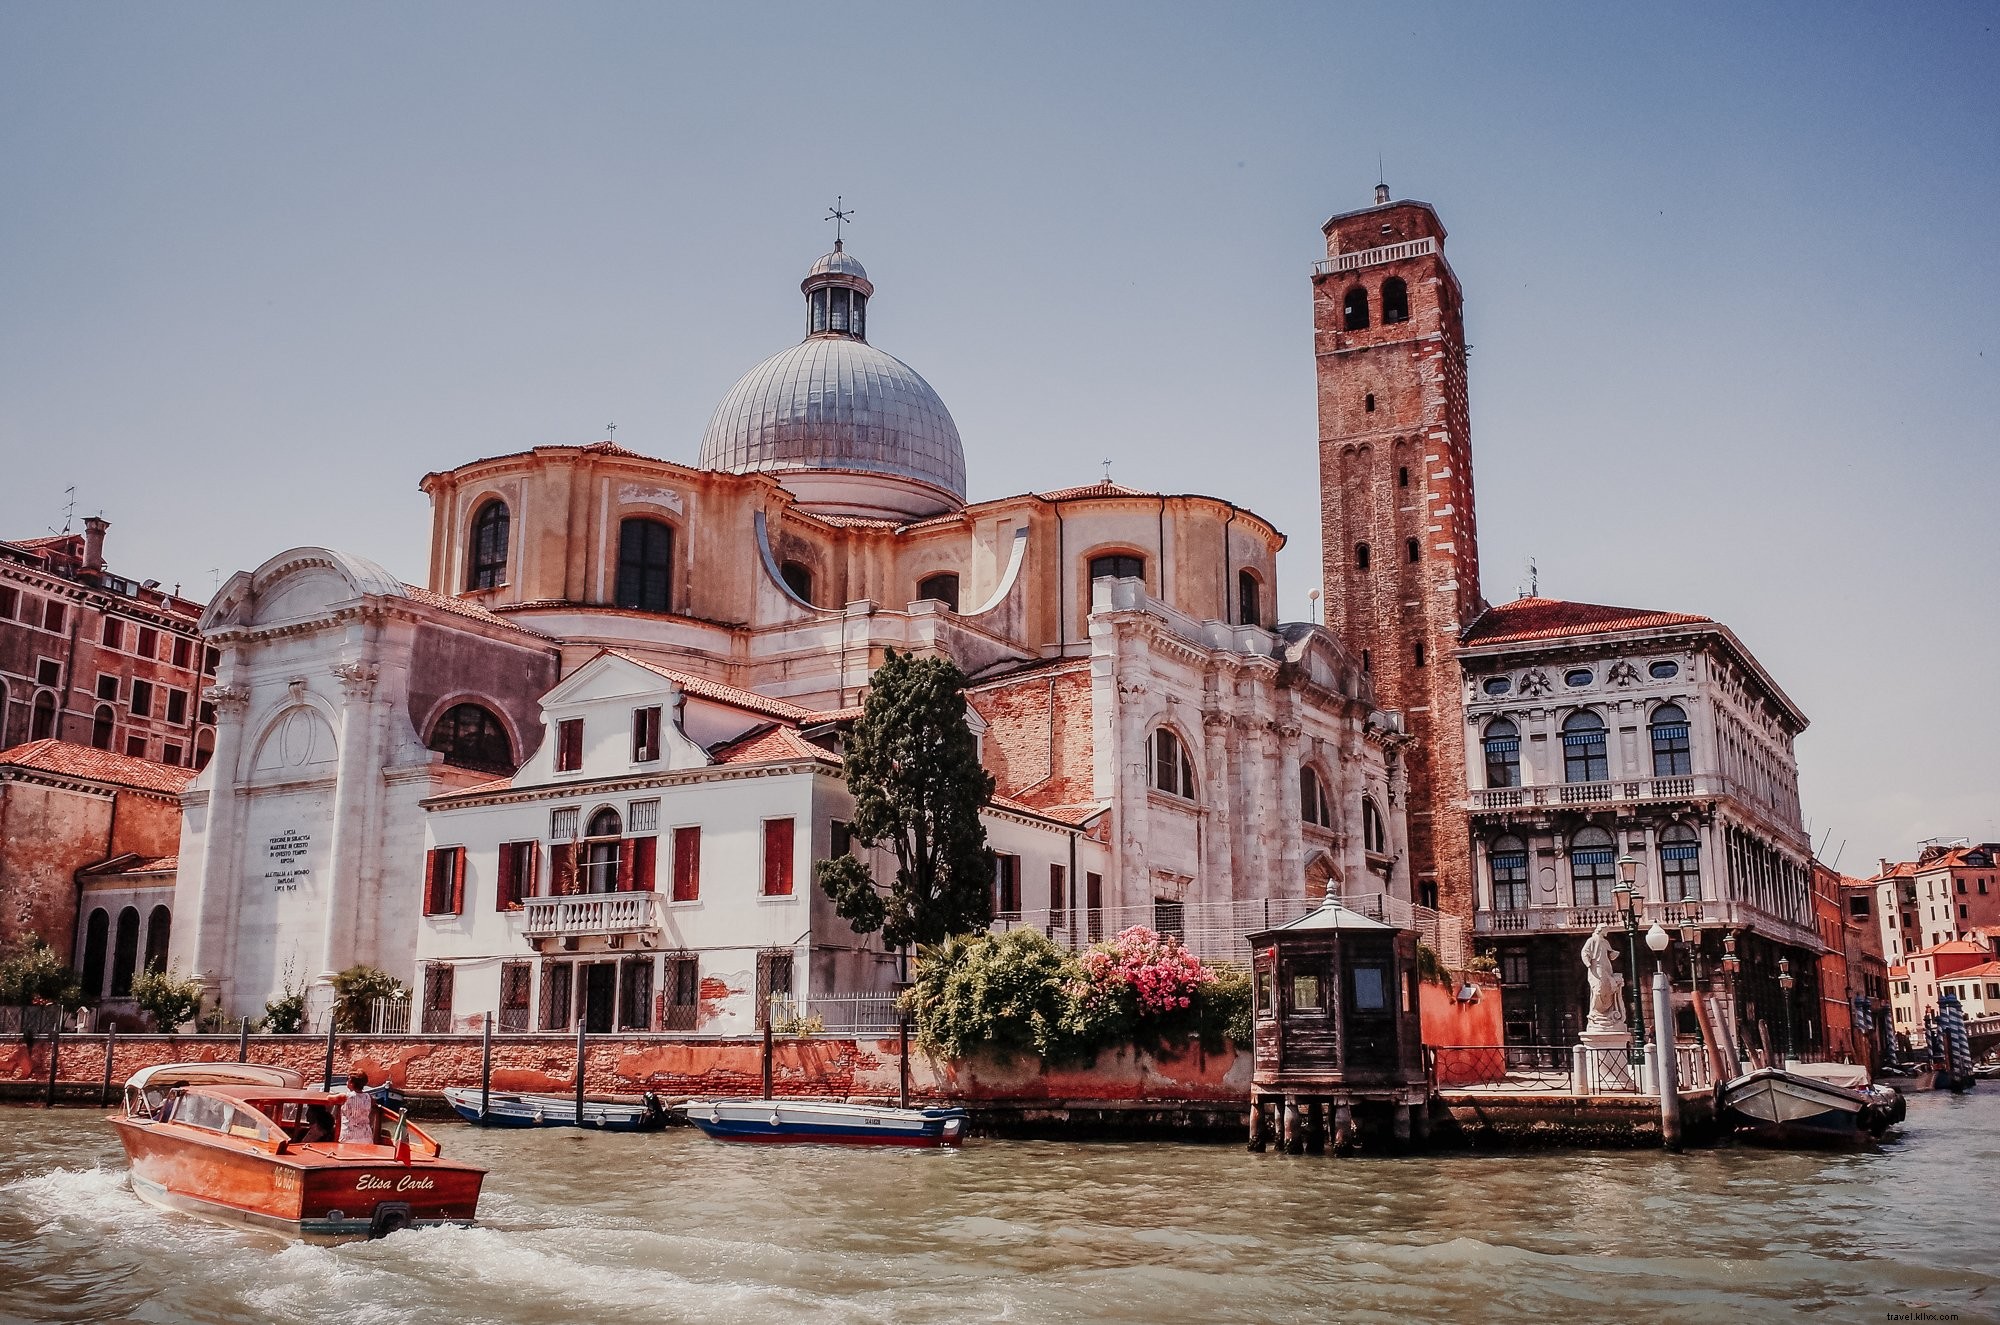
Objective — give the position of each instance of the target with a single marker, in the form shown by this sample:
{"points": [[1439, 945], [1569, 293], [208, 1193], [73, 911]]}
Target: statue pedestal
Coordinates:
{"points": [[1601, 1065]]}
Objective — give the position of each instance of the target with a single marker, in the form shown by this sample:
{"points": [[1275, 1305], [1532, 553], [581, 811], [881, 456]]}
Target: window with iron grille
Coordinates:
{"points": [[563, 822], [645, 816], [774, 980], [635, 994], [558, 984], [683, 1002], [437, 998]]}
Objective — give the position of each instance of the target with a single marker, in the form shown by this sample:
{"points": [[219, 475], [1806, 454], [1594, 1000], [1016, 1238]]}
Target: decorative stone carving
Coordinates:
{"points": [[1607, 987], [1536, 682], [1622, 673], [357, 679], [231, 700]]}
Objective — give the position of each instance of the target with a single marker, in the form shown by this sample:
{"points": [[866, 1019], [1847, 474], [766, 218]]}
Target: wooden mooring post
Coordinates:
{"points": [[485, 1064], [110, 1050], [55, 1056], [582, 1030], [331, 1023], [243, 1041], [767, 1051]]}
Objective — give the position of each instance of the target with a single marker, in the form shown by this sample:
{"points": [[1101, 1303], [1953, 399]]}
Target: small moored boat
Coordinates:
{"points": [[1816, 1104], [252, 1146], [813, 1120], [510, 1110]]}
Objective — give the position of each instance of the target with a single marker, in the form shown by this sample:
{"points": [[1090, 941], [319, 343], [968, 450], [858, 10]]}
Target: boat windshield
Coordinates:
{"points": [[299, 1120], [194, 1109]]}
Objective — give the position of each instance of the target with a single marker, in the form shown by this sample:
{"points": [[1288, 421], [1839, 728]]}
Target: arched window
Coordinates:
{"points": [[488, 569], [204, 749], [942, 588], [101, 726], [1508, 859], [1413, 549], [1402, 476], [96, 939], [42, 726], [125, 953], [1354, 309], [1314, 807], [158, 925], [1374, 832], [1680, 864], [1361, 556], [798, 578], [1502, 744], [645, 566], [469, 736], [1583, 748], [1395, 301], [1118, 566], [602, 852], [1248, 608], [1173, 771], [1671, 755], [1591, 867]]}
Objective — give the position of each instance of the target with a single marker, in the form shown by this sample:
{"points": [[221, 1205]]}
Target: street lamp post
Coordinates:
{"points": [[1785, 984], [1691, 942], [1628, 870], [1731, 966]]}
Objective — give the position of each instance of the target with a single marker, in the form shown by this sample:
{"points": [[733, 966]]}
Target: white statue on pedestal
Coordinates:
{"points": [[1607, 987]]}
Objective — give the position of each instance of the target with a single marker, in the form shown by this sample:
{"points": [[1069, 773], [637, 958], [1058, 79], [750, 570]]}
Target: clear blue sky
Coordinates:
{"points": [[1731, 283]]}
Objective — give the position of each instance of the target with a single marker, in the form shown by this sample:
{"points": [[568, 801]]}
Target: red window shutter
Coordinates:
{"points": [[625, 865], [777, 857], [687, 864], [532, 881], [644, 851], [508, 890], [562, 862], [430, 887], [458, 881]]}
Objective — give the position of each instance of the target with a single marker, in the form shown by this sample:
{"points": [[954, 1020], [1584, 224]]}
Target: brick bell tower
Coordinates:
{"points": [[1401, 558]]}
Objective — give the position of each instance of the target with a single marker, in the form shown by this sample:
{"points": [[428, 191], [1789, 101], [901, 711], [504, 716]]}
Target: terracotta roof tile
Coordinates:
{"points": [[771, 744], [832, 715], [1550, 618], [82, 761], [462, 607], [1981, 971], [855, 521], [703, 688], [1101, 488], [1077, 815]]}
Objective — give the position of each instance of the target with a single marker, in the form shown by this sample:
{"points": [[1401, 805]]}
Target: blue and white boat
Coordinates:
{"points": [[510, 1110], [826, 1121]]}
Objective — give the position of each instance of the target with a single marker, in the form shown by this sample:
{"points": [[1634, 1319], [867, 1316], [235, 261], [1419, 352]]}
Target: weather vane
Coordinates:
{"points": [[838, 216], [610, 432], [1106, 462]]}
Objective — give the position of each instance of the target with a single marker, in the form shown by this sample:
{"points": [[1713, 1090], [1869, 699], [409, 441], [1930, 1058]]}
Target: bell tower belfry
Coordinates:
{"points": [[1401, 550]]}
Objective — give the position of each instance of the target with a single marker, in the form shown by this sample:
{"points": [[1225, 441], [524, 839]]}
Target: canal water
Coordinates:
{"points": [[674, 1227]]}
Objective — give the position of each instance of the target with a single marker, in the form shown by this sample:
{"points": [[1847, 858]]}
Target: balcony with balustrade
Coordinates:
{"points": [[1619, 790], [615, 917]]}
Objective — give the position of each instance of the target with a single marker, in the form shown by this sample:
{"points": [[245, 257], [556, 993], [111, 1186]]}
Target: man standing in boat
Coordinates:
{"points": [[357, 1112]]}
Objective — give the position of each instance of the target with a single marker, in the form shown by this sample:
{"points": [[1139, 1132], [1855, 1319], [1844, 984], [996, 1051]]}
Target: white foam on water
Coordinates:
{"points": [[74, 1198]]}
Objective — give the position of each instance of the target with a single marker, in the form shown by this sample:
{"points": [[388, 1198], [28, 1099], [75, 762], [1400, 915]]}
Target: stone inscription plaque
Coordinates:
{"points": [[286, 852]]}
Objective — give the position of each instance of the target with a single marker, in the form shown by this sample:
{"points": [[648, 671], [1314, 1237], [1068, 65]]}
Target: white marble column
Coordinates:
{"points": [[358, 784], [211, 913]]}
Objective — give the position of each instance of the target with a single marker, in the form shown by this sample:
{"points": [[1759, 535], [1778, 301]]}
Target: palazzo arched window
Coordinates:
{"points": [[1680, 864], [1672, 756], [603, 852], [1584, 758], [158, 927], [1173, 771], [470, 736], [1374, 830], [1314, 807], [1508, 860], [645, 566], [96, 942], [125, 953], [1502, 746], [1592, 867], [488, 568]]}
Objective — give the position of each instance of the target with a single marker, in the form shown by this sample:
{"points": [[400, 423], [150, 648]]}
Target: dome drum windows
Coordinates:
{"points": [[839, 309], [1172, 770], [798, 577], [1248, 594], [1118, 566], [470, 736], [941, 588], [645, 566], [486, 567]]}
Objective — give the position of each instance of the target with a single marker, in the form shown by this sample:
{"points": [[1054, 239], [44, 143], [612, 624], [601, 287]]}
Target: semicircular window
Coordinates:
{"points": [[469, 736]]}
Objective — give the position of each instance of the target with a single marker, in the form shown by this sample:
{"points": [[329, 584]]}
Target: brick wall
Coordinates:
{"points": [[1038, 744]]}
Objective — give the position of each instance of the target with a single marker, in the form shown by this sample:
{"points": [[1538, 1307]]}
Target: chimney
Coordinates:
{"points": [[93, 541]]}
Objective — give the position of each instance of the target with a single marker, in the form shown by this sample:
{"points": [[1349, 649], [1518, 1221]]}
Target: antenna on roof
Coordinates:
{"points": [[1834, 864], [69, 508], [839, 217]]}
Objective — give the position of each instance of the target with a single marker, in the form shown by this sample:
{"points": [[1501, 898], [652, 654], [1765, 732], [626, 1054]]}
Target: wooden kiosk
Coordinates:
{"points": [[1336, 1022]]}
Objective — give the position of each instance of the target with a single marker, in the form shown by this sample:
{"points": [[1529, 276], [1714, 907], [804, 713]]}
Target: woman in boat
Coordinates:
{"points": [[357, 1113]]}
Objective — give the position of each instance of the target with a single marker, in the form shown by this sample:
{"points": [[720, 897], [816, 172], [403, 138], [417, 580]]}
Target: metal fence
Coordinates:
{"points": [[38, 1019], [391, 1016], [835, 1014], [1556, 1068]]}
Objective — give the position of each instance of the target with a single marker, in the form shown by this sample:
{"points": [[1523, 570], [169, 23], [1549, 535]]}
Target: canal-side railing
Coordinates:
{"points": [[835, 1014], [1560, 1069]]}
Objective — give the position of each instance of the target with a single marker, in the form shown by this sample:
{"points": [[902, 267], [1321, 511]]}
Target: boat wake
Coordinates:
{"points": [[73, 1200]]}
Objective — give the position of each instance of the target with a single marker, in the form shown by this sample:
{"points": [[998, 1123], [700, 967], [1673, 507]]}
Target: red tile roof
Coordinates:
{"points": [[702, 688], [1980, 971], [82, 761], [1952, 946], [1551, 618], [769, 745], [855, 521], [462, 607], [1077, 815], [832, 715], [1101, 488]]}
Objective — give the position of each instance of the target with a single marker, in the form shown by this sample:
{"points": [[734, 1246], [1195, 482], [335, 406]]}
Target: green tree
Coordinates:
{"points": [[32, 973], [913, 769], [355, 991], [168, 998]]}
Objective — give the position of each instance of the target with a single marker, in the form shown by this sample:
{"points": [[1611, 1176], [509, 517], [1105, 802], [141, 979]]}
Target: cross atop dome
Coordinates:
{"points": [[839, 218]]}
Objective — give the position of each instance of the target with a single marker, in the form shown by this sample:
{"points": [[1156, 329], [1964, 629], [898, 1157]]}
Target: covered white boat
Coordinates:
{"points": [[827, 1121], [1805, 1107]]}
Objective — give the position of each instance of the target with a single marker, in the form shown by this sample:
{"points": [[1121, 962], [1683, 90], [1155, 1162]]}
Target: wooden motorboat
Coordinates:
{"points": [[251, 1146], [511, 1110], [839, 1124], [1808, 1108]]}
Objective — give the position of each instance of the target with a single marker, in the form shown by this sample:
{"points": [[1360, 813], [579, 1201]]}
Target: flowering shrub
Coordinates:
{"points": [[1020, 992]]}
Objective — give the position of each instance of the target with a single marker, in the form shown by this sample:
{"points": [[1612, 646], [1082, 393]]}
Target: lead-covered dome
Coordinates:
{"points": [[852, 429]]}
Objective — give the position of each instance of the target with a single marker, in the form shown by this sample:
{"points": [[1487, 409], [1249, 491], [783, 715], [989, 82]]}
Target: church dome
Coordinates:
{"points": [[850, 429]]}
